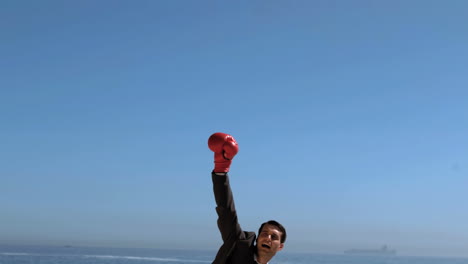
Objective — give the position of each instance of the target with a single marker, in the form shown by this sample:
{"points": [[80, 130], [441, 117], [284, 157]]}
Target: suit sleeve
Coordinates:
{"points": [[227, 217]]}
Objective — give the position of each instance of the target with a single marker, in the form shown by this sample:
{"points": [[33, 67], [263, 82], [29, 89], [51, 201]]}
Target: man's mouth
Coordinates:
{"points": [[266, 246]]}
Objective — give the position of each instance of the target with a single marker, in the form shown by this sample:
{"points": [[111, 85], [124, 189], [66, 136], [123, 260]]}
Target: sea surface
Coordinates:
{"points": [[89, 255]]}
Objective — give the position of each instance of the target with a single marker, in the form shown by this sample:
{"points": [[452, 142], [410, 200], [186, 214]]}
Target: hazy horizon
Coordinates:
{"points": [[318, 249]]}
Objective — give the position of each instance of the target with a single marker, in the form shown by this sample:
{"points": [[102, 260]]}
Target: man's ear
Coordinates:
{"points": [[280, 247]]}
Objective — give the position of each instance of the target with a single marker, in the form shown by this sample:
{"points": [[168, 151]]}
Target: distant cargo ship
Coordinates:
{"points": [[383, 251]]}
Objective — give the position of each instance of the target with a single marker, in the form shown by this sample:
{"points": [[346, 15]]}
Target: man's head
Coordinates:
{"points": [[271, 237]]}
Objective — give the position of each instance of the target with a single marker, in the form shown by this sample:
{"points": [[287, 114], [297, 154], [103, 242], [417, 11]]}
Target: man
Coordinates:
{"points": [[239, 247]]}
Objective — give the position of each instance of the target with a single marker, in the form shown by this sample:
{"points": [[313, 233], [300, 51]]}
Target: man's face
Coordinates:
{"points": [[269, 240]]}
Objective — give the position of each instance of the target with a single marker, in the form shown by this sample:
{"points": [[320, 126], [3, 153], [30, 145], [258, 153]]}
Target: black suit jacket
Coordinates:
{"points": [[238, 246]]}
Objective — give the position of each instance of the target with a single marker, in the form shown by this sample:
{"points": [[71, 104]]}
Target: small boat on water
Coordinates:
{"points": [[383, 251]]}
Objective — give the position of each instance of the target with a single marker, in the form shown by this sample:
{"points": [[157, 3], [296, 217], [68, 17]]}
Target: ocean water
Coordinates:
{"points": [[88, 255]]}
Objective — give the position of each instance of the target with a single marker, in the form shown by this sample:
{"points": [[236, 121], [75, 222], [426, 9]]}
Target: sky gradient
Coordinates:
{"points": [[351, 118]]}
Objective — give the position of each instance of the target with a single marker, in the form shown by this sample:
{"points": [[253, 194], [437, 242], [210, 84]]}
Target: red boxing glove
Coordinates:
{"points": [[225, 148]]}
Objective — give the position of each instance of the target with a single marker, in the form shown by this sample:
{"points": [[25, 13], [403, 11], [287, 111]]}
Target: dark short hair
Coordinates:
{"points": [[277, 225]]}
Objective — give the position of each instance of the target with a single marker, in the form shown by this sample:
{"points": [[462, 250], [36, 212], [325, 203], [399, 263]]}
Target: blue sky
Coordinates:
{"points": [[351, 118]]}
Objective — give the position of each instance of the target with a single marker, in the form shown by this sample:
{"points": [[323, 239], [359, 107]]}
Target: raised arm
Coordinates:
{"points": [[225, 148], [228, 223]]}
